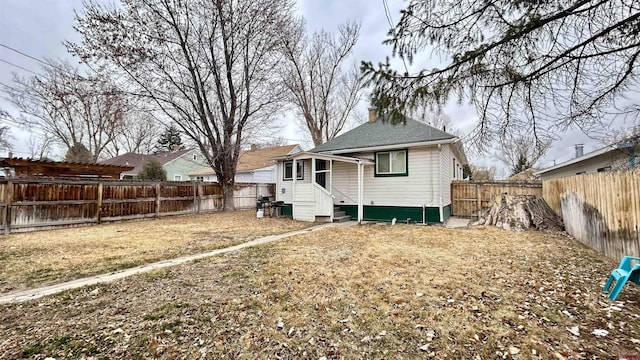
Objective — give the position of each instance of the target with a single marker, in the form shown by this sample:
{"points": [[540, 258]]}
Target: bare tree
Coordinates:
{"points": [[5, 138], [538, 66], [5, 132], [522, 152], [207, 65], [71, 107], [323, 88], [40, 145], [138, 134], [483, 173]]}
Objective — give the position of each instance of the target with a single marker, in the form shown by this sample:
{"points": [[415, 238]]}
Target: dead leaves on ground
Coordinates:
{"points": [[364, 292]]}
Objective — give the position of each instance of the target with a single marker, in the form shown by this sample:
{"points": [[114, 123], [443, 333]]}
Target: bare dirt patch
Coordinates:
{"points": [[30, 259], [362, 292]]}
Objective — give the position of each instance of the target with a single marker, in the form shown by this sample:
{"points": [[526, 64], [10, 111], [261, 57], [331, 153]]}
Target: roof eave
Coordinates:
{"points": [[588, 156], [391, 146]]}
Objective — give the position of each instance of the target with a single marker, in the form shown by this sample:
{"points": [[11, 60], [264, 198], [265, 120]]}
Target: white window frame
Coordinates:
{"points": [[300, 173], [391, 172], [177, 177]]}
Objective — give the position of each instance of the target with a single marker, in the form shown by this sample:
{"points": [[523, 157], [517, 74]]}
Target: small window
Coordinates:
{"points": [[603, 169], [391, 163], [199, 178], [177, 177], [195, 157], [288, 170], [454, 168]]}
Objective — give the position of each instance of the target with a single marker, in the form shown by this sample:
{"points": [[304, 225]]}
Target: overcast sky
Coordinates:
{"points": [[38, 28]]}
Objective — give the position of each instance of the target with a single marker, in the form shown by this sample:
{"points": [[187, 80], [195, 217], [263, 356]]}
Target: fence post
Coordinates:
{"points": [[479, 198], [200, 191], [157, 199], [99, 204], [195, 198], [7, 208]]}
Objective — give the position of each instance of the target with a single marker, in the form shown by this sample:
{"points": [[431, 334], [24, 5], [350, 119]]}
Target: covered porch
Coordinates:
{"points": [[313, 196]]}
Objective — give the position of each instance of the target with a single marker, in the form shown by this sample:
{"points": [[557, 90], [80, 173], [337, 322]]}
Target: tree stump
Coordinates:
{"points": [[521, 212]]}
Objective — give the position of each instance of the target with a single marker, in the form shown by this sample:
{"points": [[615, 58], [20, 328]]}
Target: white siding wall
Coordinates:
{"points": [[447, 159], [615, 159], [421, 187], [287, 185]]}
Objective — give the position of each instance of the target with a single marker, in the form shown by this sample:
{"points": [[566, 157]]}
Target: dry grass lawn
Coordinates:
{"points": [[369, 291], [30, 259]]}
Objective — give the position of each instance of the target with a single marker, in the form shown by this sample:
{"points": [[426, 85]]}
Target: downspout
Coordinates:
{"points": [[360, 190], [440, 183]]}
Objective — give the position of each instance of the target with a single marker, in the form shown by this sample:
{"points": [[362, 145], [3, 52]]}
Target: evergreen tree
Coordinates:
{"points": [[78, 153], [170, 138], [153, 170]]}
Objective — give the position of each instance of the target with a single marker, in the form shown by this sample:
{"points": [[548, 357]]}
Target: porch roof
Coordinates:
{"points": [[309, 155]]}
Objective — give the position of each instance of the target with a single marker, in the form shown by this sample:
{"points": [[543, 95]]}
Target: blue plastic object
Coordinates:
{"points": [[625, 272]]}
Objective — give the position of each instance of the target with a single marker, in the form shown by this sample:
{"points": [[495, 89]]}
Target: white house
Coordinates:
{"points": [[377, 171], [254, 166], [621, 155]]}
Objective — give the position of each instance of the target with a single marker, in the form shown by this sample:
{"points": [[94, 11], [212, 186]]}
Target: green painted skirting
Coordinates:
{"points": [[446, 212], [401, 213]]}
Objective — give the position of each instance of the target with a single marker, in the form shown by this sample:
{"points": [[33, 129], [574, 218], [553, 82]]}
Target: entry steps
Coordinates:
{"points": [[339, 215]]}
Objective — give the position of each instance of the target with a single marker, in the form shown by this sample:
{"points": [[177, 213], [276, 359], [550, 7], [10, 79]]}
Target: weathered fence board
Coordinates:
{"points": [[601, 210], [468, 198], [30, 204]]}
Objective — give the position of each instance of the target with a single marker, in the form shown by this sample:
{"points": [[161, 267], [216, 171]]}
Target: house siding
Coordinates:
{"points": [[185, 165], [260, 176], [616, 159], [420, 187], [287, 185]]}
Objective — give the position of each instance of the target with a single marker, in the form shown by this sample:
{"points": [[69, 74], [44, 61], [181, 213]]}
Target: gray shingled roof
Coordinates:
{"points": [[381, 133]]}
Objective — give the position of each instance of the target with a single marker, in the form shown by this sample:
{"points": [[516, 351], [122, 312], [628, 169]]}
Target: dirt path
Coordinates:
{"points": [[30, 294]]}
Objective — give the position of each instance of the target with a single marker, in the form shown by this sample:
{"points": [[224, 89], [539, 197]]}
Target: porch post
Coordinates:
{"points": [[294, 172], [313, 170], [360, 189], [330, 176]]}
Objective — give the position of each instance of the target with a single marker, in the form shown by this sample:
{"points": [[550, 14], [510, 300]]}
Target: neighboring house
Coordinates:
{"points": [[18, 167], [178, 164], [179, 167], [376, 172], [254, 166], [613, 157]]}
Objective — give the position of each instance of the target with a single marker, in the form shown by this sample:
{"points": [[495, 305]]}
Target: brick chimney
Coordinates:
{"points": [[579, 150], [373, 116], [254, 147], [175, 147]]}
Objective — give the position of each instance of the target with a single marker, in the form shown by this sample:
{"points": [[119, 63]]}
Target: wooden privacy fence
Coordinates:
{"points": [[601, 210], [29, 204], [468, 198]]}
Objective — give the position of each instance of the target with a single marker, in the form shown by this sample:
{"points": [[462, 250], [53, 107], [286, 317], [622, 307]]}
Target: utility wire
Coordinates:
{"points": [[387, 13], [19, 67], [43, 62]]}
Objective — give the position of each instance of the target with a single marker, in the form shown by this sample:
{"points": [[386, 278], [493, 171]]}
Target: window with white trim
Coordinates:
{"points": [[288, 170], [177, 177], [392, 163]]}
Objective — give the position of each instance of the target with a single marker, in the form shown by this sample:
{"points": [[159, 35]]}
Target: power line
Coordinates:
{"points": [[19, 67], [43, 62], [26, 55]]}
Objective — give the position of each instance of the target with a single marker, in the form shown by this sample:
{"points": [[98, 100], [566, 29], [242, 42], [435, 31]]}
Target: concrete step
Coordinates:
{"points": [[342, 218], [339, 213]]}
